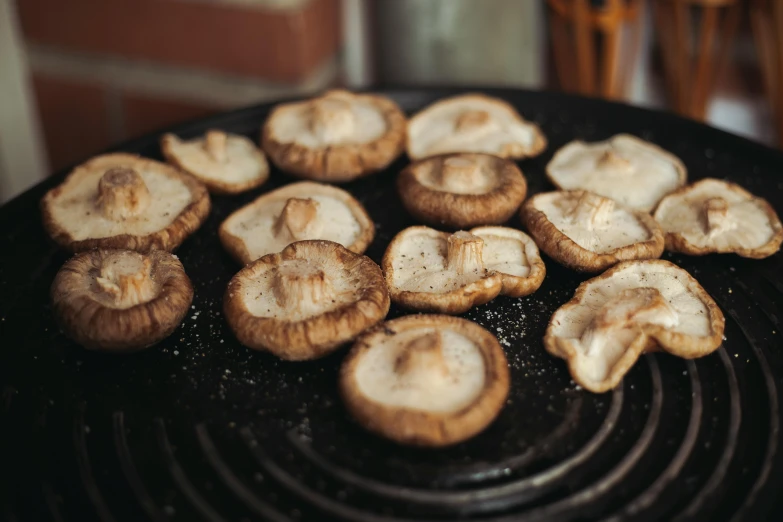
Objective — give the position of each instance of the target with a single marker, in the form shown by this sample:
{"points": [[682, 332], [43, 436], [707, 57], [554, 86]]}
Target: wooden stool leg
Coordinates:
{"points": [[703, 79], [561, 45], [777, 30], [585, 53], [764, 38]]}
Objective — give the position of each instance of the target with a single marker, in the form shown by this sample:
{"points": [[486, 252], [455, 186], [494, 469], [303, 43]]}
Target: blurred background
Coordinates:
{"points": [[78, 76]]}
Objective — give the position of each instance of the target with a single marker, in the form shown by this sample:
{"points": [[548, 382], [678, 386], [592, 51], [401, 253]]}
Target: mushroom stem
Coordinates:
{"points": [[460, 174], [298, 219], [331, 119], [422, 359], [716, 213], [122, 193], [464, 253], [215, 144], [592, 210], [298, 284], [127, 281], [610, 159], [471, 119]]}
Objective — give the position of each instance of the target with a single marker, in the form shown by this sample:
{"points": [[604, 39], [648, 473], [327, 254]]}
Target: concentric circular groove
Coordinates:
{"points": [[651, 494], [477, 500], [85, 468], [729, 446], [178, 475], [774, 418], [232, 482], [130, 472]]}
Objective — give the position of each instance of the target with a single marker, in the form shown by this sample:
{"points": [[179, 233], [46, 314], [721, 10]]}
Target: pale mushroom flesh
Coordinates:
{"points": [[595, 223], [460, 174], [219, 157], [297, 212], [334, 119], [430, 369], [717, 216], [118, 194], [515, 256], [428, 261], [298, 289], [632, 307], [631, 171], [472, 123]]}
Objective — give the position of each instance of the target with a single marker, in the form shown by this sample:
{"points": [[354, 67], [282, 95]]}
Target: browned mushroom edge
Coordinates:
{"points": [[187, 222], [426, 428], [215, 186], [317, 335], [455, 210], [338, 163], [653, 338], [568, 253], [163, 295], [455, 301], [518, 286], [509, 151], [675, 242], [236, 246]]}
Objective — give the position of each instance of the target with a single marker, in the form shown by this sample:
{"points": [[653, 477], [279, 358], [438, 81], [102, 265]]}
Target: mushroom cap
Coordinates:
{"points": [[336, 137], [121, 300], [514, 255], [425, 380], [296, 212], [713, 215], [473, 123], [433, 271], [124, 201], [588, 232], [631, 171], [633, 307], [305, 301], [225, 163], [462, 190]]}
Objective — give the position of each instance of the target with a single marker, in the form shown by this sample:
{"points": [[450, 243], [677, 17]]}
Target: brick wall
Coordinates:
{"points": [[109, 70]]}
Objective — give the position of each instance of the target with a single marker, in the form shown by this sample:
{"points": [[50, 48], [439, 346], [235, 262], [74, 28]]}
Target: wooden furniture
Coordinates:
{"points": [[766, 20], [694, 48], [595, 44]]}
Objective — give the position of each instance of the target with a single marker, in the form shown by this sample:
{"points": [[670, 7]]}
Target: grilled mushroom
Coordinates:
{"points": [[306, 301], [590, 233], [634, 307], [124, 201], [336, 137], [514, 255], [633, 172], [296, 212], [426, 380], [434, 271], [225, 163], [717, 216], [120, 300], [462, 190], [473, 123]]}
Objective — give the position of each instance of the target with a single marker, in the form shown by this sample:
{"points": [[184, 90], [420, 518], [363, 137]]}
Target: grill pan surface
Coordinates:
{"points": [[200, 428]]}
